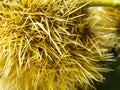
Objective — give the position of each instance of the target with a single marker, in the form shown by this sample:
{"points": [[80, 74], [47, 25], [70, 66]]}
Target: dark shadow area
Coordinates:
{"points": [[112, 81]]}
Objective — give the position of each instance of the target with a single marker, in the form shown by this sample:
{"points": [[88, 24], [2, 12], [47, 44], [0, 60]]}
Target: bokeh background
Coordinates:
{"points": [[112, 81]]}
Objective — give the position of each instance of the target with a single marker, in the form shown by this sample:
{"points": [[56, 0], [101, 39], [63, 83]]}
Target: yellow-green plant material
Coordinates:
{"points": [[103, 21], [112, 16], [48, 45], [111, 3]]}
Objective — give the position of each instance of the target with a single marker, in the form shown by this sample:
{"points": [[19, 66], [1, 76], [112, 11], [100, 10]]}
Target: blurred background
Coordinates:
{"points": [[112, 81]]}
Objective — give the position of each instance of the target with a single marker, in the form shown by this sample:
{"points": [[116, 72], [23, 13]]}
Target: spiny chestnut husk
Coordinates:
{"points": [[103, 21], [48, 45]]}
